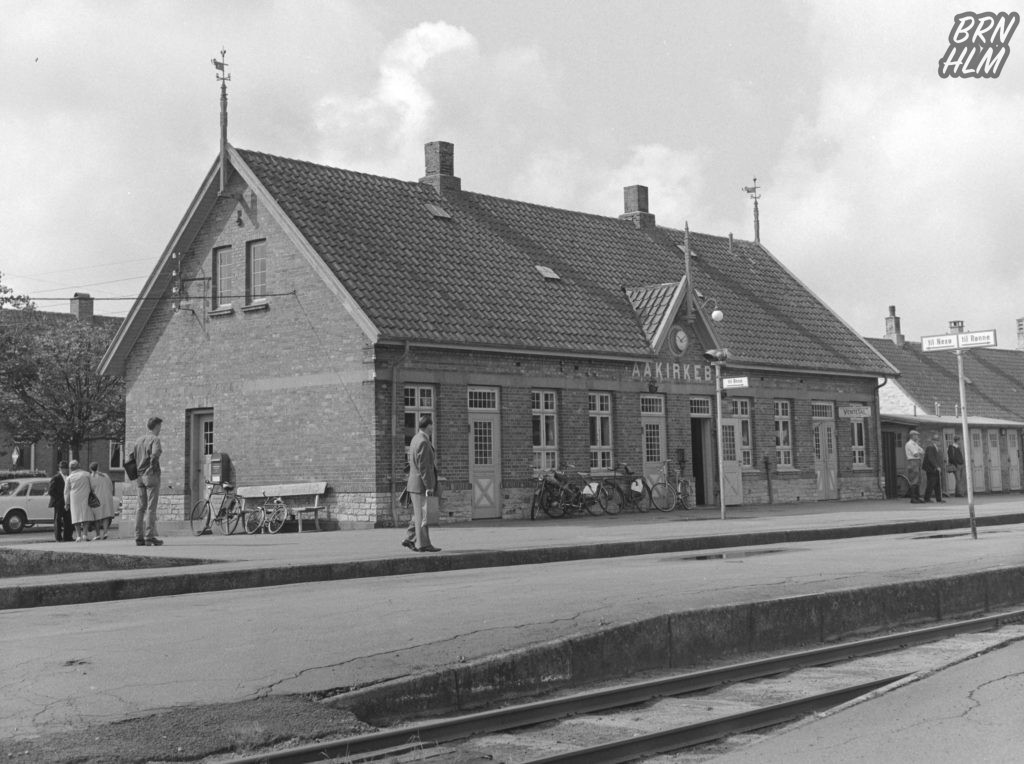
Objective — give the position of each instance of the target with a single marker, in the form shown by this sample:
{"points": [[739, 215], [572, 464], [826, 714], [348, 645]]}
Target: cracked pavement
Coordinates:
{"points": [[66, 667]]}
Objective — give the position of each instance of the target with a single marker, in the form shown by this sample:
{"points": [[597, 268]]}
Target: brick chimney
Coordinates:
{"points": [[635, 200], [892, 328], [81, 306], [440, 161]]}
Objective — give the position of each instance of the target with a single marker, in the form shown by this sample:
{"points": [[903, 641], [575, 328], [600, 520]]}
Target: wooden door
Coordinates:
{"points": [[732, 469], [977, 465], [1013, 460], [484, 453], [652, 422], [200, 446], [994, 462], [825, 466]]}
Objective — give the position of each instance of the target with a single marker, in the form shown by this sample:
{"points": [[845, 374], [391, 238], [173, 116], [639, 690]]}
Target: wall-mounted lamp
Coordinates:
{"points": [[705, 302], [652, 387]]}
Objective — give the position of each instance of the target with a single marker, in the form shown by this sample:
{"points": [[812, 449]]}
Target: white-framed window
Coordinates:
{"points": [[223, 279], [783, 433], [482, 399], [417, 400], [255, 271], [823, 410], [700, 406], [600, 411], [860, 452], [745, 447], [115, 450], [652, 415], [544, 410]]}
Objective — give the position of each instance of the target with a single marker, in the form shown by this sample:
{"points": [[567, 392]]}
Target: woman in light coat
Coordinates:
{"points": [[76, 496], [104, 490]]}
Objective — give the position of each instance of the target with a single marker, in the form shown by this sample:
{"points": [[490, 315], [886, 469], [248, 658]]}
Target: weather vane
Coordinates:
{"points": [[752, 190], [222, 78]]}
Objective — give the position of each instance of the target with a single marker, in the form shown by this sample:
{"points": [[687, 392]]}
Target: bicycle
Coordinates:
{"points": [[575, 499], [640, 493], [227, 515], [269, 516], [545, 495], [682, 486]]}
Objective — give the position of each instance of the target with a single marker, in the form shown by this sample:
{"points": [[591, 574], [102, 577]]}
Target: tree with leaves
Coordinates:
{"points": [[50, 388]]}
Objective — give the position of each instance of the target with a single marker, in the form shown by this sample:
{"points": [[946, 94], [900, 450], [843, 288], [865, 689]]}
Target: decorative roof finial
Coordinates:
{"points": [[752, 190], [223, 77]]}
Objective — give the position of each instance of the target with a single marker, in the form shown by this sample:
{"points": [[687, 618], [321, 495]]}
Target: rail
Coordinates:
{"points": [[461, 727]]}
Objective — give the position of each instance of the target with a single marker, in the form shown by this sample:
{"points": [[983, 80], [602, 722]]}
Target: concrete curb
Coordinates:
{"points": [[205, 576], [683, 640]]}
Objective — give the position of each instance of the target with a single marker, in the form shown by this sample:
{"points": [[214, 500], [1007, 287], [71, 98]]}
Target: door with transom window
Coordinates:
{"points": [[826, 467], [485, 452], [652, 420]]}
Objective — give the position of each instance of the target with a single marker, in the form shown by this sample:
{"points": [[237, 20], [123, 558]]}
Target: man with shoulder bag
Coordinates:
{"points": [[147, 459]]}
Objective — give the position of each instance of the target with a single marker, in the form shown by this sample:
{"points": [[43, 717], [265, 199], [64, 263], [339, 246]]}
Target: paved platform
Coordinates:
{"points": [[70, 573], [509, 608]]}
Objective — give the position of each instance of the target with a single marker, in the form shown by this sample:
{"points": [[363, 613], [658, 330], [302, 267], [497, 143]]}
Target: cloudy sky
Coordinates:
{"points": [[882, 183]]}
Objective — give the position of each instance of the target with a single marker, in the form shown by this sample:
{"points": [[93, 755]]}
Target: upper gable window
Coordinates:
{"points": [[255, 271], [222, 277]]}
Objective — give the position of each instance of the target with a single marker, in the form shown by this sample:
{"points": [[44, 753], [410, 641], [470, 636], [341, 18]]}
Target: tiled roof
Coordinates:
{"points": [[28, 320], [995, 378], [649, 304], [470, 279]]}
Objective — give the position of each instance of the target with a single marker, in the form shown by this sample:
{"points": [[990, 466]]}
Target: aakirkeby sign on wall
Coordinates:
{"points": [[673, 372]]}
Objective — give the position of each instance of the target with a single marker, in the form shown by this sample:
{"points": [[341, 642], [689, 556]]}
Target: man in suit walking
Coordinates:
{"points": [[955, 456], [933, 470], [63, 530], [422, 483]]}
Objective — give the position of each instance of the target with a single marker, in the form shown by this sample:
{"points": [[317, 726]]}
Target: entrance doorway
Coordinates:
{"points": [[825, 460], [703, 463], [485, 452], [200, 446]]}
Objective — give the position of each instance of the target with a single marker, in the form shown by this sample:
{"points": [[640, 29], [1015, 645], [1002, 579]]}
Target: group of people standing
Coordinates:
{"points": [[83, 502], [75, 517], [929, 460]]}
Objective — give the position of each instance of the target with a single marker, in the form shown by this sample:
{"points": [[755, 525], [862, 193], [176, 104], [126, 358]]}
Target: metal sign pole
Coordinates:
{"points": [[721, 448], [968, 465]]}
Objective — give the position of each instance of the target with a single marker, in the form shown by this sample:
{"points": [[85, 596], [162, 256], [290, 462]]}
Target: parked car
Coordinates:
{"points": [[24, 502]]}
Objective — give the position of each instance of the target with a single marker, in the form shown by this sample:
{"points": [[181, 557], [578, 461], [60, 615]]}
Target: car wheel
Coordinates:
{"points": [[15, 521]]}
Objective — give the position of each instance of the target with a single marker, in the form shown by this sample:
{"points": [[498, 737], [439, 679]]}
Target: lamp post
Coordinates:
{"points": [[957, 327], [718, 357]]}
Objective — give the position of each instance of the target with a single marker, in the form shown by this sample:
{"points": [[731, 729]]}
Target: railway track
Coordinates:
{"points": [[609, 725]]}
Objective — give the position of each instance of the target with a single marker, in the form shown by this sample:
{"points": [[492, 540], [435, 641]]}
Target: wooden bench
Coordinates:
{"points": [[258, 492]]}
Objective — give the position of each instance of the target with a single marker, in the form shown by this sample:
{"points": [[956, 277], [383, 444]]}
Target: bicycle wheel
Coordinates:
{"points": [[663, 496], [228, 517], [571, 500], [276, 515], [548, 501], [253, 520], [609, 495], [591, 500], [902, 486], [199, 519]]}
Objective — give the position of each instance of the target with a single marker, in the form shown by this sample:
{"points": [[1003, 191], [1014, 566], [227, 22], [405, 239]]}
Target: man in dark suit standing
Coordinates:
{"points": [[63, 530], [422, 482], [933, 470], [955, 456]]}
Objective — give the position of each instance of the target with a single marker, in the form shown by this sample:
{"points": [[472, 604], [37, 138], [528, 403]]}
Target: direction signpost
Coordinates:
{"points": [[960, 341]]}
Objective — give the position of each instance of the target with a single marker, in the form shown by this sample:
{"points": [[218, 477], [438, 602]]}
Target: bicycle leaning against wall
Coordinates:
{"points": [[225, 517], [626, 489]]}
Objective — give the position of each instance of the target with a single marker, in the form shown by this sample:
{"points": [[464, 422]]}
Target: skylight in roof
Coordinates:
{"points": [[438, 212], [547, 273]]}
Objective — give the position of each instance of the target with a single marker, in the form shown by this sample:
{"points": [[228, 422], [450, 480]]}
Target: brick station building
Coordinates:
{"points": [[302, 316]]}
